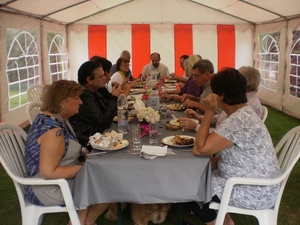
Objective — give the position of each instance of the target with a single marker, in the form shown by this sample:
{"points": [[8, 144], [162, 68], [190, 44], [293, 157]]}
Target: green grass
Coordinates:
{"points": [[278, 124]]}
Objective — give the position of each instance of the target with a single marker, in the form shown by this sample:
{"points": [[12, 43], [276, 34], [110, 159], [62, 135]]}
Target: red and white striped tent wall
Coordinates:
{"points": [[224, 45], [217, 43]]}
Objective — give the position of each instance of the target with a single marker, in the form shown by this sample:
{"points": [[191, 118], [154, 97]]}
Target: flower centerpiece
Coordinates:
{"points": [[146, 116]]}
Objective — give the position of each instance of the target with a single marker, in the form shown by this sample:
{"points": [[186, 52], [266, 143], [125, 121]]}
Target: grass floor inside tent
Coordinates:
{"points": [[277, 123]]}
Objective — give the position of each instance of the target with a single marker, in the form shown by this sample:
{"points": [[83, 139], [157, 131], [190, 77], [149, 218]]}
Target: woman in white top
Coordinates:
{"points": [[122, 66]]}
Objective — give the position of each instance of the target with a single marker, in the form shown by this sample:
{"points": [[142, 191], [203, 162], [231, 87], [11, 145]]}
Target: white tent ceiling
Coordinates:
{"points": [[154, 11]]}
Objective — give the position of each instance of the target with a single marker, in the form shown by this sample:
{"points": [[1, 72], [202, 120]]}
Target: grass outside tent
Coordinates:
{"points": [[277, 123]]}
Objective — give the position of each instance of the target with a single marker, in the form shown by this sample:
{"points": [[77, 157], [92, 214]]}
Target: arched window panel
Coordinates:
{"points": [[22, 67], [58, 57], [267, 60], [295, 66]]}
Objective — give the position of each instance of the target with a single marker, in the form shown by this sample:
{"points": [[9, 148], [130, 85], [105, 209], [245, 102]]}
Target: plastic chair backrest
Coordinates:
{"points": [[33, 109], [12, 146], [34, 92], [288, 150], [265, 109]]}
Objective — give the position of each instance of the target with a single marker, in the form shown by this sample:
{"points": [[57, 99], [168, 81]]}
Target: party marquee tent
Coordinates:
{"points": [[42, 41]]}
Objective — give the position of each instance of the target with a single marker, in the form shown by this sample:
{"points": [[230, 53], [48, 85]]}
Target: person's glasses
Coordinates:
{"points": [[197, 75], [126, 62]]}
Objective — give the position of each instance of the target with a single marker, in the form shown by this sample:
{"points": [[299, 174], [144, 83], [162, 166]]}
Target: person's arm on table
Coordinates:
{"points": [[206, 143], [190, 97], [178, 78], [193, 105]]}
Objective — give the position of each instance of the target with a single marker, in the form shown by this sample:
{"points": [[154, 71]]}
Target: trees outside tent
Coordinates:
{"points": [[58, 57], [22, 67], [267, 60]]}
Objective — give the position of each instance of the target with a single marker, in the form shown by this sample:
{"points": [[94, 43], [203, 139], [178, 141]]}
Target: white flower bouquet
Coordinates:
{"points": [[146, 113]]}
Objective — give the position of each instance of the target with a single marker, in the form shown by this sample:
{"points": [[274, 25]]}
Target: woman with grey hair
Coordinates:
{"points": [[253, 78]]}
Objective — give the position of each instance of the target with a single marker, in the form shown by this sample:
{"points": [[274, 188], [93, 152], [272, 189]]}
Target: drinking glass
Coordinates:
{"points": [[163, 114], [136, 138]]}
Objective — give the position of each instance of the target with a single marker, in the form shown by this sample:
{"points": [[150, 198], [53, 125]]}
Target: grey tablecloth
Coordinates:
{"points": [[122, 177]]}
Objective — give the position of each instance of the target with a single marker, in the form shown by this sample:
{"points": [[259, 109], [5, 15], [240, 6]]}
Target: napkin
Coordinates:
{"points": [[151, 152]]}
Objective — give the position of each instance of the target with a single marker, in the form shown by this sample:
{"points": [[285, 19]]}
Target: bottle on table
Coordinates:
{"points": [[153, 99], [123, 113], [153, 74], [148, 78]]}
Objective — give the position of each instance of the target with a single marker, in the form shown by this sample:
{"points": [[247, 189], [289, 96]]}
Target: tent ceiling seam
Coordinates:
{"points": [[98, 12], [70, 6], [277, 14], [218, 10], [18, 12]]}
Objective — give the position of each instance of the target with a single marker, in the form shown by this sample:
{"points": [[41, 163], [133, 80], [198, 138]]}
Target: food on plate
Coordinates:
{"points": [[177, 140], [108, 141], [131, 98], [175, 122], [170, 81], [170, 126], [115, 119], [131, 105], [175, 107], [170, 85], [111, 134], [131, 117]]}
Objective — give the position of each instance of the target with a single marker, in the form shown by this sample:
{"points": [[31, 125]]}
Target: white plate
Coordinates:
{"points": [[170, 87], [137, 91], [170, 81], [168, 141], [123, 144]]}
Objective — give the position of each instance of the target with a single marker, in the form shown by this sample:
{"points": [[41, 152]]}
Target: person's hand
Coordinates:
{"points": [[184, 97], [214, 162], [189, 104], [126, 80], [134, 83], [211, 102], [127, 87], [190, 113], [116, 89], [166, 96], [173, 76], [187, 124]]}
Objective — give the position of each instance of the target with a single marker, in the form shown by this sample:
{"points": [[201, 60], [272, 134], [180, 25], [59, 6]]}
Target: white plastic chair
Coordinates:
{"points": [[289, 148], [33, 109], [34, 92], [265, 109], [12, 139]]}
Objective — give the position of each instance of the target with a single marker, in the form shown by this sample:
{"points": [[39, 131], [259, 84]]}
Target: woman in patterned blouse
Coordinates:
{"points": [[242, 147]]}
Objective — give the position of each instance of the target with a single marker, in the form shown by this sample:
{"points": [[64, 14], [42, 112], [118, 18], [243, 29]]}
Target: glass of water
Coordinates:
{"points": [[136, 138], [163, 114]]}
